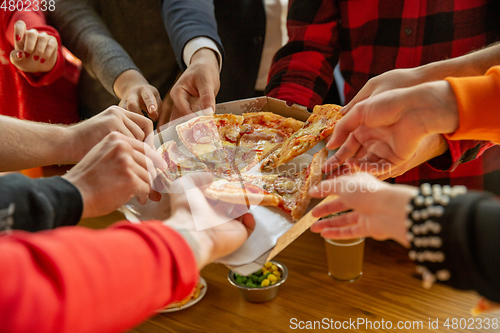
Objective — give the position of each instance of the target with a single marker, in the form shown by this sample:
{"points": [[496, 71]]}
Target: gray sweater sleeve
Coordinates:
{"points": [[187, 19], [38, 204], [84, 33]]}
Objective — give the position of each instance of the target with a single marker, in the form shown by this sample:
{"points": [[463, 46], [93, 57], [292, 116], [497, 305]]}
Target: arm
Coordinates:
{"points": [[186, 20], [26, 144], [477, 99], [302, 71], [87, 37], [38, 204], [115, 170], [391, 125], [34, 21], [59, 280], [192, 30], [467, 226]]}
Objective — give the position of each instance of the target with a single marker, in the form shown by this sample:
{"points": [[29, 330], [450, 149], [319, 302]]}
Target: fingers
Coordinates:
{"points": [[348, 232], [325, 188], [332, 207], [165, 111], [193, 180], [249, 222], [132, 104], [135, 125], [182, 107], [151, 101], [41, 45], [51, 48], [348, 149], [343, 220], [207, 97], [19, 32], [30, 41]]}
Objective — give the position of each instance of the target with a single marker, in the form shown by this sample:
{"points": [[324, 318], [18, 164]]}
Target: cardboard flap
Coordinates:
{"points": [[294, 232]]}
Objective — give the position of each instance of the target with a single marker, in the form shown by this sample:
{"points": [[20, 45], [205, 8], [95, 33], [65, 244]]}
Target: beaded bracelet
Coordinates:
{"points": [[424, 227]]}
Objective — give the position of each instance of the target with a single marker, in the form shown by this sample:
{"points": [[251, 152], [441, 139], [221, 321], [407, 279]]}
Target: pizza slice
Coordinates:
{"points": [[178, 163], [318, 127], [286, 191], [260, 134], [201, 137], [242, 193], [485, 305]]}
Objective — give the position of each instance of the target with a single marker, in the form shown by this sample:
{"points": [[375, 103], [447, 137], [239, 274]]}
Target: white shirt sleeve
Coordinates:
{"points": [[198, 43]]}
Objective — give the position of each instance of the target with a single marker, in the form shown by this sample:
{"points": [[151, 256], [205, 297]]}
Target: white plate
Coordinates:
{"points": [[191, 302]]}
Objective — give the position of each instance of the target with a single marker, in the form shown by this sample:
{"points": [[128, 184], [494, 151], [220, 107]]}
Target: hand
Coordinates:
{"points": [[198, 85], [166, 111], [114, 171], [33, 52], [137, 94], [215, 242], [390, 127], [430, 147], [85, 135], [393, 79], [378, 208]]}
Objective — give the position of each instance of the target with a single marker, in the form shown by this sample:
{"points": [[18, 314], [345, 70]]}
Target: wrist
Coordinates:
{"points": [[444, 118], [200, 242], [127, 80], [205, 56], [399, 196]]}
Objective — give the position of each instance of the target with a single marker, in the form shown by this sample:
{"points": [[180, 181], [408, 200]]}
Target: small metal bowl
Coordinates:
{"points": [[260, 295]]}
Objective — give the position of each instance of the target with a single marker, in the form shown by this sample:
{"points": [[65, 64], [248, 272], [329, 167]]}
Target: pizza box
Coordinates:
{"points": [[274, 229]]}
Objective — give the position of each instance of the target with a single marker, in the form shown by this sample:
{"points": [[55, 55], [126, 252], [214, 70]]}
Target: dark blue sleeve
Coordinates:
{"points": [[38, 204], [187, 19]]}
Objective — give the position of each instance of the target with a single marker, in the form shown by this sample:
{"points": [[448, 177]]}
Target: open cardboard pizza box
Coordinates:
{"points": [[274, 229]]}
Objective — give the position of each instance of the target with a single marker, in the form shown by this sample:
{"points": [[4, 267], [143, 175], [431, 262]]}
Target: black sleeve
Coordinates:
{"points": [[471, 243], [187, 19], [38, 204]]}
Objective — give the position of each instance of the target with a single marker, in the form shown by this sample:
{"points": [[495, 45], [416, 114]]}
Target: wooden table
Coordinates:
{"points": [[389, 290]]}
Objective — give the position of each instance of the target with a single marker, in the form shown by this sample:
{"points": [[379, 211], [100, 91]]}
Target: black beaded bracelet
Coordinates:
{"points": [[424, 228]]}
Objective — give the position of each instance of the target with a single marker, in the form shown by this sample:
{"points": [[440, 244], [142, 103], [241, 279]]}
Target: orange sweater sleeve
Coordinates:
{"points": [[478, 100], [74, 279]]}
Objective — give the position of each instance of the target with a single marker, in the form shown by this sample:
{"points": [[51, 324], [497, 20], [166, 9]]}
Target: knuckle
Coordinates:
{"points": [[116, 137], [32, 33]]}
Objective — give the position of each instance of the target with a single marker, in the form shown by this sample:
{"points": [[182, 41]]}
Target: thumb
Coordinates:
{"points": [[207, 98], [17, 58]]}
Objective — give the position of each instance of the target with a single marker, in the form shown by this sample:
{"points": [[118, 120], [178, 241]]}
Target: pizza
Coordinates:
{"points": [[485, 305], [201, 137], [229, 146], [195, 293], [288, 192], [260, 134], [178, 163], [318, 127]]}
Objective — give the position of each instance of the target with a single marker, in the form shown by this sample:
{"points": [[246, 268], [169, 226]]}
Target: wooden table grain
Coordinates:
{"points": [[389, 290]]}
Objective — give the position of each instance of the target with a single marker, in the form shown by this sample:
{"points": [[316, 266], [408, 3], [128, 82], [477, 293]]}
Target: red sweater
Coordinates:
{"points": [[74, 279], [45, 97]]}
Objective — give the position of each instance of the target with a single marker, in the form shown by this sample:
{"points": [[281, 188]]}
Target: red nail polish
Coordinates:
{"points": [[42, 60], [36, 58], [27, 54], [19, 54], [18, 38]]}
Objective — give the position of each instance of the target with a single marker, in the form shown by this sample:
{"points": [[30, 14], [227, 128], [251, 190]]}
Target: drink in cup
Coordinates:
{"points": [[345, 258]]}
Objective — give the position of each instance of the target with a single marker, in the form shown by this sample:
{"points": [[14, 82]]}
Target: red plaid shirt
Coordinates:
{"points": [[374, 36]]}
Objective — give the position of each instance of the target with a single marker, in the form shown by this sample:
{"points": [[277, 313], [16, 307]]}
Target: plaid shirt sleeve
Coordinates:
{"points": [[302, 71]]}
